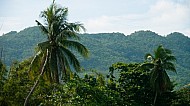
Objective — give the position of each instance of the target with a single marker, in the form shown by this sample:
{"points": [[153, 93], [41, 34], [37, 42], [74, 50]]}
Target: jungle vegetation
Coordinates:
{"points": [[141, 69]]}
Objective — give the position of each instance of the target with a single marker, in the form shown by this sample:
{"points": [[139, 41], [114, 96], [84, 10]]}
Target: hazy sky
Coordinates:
{"points": [[125, 16]]}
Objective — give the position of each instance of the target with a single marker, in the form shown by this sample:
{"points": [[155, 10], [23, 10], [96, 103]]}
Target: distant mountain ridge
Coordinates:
{"points": [[105, 48]]}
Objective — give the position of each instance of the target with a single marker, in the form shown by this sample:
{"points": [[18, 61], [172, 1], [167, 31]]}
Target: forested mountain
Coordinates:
{"points": [[105, 48]]}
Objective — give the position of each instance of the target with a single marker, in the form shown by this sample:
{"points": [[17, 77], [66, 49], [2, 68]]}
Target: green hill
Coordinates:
{"points": [[105, 48]]}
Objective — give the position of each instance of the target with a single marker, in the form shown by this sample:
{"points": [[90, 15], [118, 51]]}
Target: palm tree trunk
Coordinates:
{"points": [[58, 69], [37, 81], [155, 98]]}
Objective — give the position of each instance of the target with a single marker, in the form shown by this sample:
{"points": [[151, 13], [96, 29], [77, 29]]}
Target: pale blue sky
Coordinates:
{"points": [[125, 16]]}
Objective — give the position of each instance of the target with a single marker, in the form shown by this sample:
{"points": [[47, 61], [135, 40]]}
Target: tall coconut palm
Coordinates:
{"points": [[55, 56], [159, 63]]}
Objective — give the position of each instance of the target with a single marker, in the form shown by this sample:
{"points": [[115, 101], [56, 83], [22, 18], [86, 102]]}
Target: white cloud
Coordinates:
{"points": [[169, 16], [7, 23], [165, 17], [19, 14], [99, 23], [162, 17], [122, 24]]}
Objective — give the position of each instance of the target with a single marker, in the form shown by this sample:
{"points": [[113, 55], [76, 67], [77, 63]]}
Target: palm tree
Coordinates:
{"points": [[159, 63], [55, 56]]}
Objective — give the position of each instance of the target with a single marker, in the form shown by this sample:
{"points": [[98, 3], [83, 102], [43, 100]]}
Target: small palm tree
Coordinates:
{"points": [[159, 63], [55, 56]]}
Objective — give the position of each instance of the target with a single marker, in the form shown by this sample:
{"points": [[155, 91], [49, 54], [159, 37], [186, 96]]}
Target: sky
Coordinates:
{"points": [[103, 16]]}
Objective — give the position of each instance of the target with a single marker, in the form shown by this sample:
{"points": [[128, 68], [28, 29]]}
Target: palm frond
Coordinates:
{"points": [[43, 28], [44, 46], [147, 65], [168, 51], [166, 81], [67, 34], [61, 14], [65, 66], [48, 14], [77, 46], [75, 27], [71, 58], [159, 52], [170, 66], [170, 58]]}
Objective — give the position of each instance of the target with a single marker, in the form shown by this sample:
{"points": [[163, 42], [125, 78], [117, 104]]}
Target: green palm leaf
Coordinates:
{"points": [[75, 27], [68, 34], [65, 66], [43, 28], [170, 58], [70, 57], [75, 45], [166, 82], [170, 66], [44, 46]]}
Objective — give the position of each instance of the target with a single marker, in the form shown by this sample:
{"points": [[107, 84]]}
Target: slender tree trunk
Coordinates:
{"points": [[37, 81], [155, 98]]}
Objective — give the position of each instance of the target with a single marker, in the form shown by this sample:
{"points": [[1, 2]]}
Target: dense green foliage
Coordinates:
{"points": [[106, 48], [132, 87], [135, 88]]}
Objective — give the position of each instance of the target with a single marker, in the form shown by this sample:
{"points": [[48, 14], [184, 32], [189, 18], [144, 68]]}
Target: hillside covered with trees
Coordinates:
{"points": [[105, 49]]}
